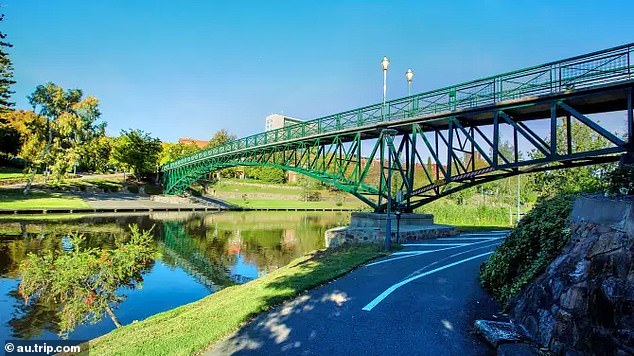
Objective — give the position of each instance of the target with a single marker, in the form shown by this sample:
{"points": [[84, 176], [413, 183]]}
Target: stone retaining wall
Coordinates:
{"points": [[584, 302], [349, 235]]}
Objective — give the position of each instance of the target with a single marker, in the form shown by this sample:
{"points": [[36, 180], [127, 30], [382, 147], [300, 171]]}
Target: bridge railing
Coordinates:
{"points": [[602, 67]]}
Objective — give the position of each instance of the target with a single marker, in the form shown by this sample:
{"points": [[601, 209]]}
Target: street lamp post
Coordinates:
{"points": [[384, 64], [388, 136], [409, 75]]}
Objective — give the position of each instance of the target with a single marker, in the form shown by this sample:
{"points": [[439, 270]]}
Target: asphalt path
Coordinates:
{"points": [[421, 300]]}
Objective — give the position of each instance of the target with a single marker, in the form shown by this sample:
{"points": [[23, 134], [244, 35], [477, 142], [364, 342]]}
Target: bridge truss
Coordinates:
{"points": [[449, 139]]}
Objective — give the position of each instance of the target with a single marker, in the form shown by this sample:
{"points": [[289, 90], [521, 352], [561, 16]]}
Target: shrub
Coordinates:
{"points": [[621, 180], [535, 242]]}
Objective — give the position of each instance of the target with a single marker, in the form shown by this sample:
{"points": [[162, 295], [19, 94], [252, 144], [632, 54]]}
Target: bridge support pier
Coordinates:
{"points": [[370, 228]]}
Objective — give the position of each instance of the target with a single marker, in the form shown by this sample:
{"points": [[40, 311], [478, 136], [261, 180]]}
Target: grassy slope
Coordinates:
{"points": [[195, 327], [37, 199], [281, 196], [293, 204]]}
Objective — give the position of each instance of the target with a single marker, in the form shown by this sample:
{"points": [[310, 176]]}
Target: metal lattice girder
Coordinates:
{"points": [[448, 127]]}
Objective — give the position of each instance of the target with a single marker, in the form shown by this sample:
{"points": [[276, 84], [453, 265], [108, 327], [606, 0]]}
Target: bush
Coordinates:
{"points": [[535, 242], [621, 180]]}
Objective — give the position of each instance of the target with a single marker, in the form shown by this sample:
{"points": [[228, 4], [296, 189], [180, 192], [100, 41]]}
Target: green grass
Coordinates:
{"points": [[293, 204], [259, 188], [195, 327], [447, 212], [11, 173], [37, 199], [108, 185], [480, 228]]}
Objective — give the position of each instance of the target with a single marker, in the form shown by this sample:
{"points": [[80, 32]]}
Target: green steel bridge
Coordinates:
{"points": [[474, 132]]}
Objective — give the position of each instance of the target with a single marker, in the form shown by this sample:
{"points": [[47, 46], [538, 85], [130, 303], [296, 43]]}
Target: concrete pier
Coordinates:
{"points": [[370, 228]]}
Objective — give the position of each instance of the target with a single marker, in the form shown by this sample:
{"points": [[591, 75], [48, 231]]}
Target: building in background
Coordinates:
{"points": [[276, 121], [191, 141]]}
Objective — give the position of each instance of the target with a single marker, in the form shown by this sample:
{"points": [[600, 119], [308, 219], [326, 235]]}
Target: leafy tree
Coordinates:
{"points": [[70, 123], [266, 174], [137, 151], [9, 138], [220, 138], [311, 188], [31, 129], [84, 282], [174, 151], [6, 73], [95, 155], [588, 178]]}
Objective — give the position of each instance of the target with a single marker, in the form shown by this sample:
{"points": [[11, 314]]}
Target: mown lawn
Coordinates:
{"points": [[37, 199], [195, 327], [294, 204], [11, 173]]}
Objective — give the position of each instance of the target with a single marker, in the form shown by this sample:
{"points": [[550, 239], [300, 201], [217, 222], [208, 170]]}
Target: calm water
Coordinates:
{"points": [[199, 254]]}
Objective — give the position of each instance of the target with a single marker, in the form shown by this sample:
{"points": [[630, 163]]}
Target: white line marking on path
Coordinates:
{"points": [[455, 244], [394, 287], [409, 253], [424, 252]]}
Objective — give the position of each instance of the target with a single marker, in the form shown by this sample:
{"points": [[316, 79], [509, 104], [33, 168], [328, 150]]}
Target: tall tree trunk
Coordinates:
{"points": [[114, 318]]}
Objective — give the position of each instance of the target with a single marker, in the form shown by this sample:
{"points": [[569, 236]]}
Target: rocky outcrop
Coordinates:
{"points": [[584, 302]]}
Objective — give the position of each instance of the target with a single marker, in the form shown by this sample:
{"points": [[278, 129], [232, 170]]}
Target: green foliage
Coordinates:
{"points": [[220, 138], [70, 125], [621, 180], [6, 73], [537, 239], [94, 156], [266, 174], [174, 151], [137, 151], [311, 189], [578, 179], [447, 212], [9, 138], [84, 281]]}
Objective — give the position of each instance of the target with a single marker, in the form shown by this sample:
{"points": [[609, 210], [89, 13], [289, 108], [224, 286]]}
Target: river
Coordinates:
{"points": [[199, 253]]}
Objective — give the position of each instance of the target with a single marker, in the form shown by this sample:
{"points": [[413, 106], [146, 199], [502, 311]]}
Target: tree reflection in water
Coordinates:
{"points": [[84, 282], [217, 250]]}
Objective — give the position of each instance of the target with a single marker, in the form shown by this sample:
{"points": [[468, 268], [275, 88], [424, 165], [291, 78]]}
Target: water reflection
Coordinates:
{"points": [[198, 254]]}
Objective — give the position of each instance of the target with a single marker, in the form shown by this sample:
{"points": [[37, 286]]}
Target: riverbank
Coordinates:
{"points": [[197, 326]]}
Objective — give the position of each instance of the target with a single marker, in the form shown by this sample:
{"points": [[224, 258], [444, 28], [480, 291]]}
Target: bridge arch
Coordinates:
{"points": [[462, 131]]}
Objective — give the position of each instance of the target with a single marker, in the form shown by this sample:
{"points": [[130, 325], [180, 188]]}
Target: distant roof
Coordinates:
{"points": [[191, 141]]}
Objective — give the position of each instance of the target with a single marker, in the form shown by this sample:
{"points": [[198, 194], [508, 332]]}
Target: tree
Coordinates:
{"points": [[9, 138], [70, 124], [588, 178], [85, 282], [266, 174], [173, 151], [6, 74], [95, 155], [137, 151], [32, 131], [220, 138]]}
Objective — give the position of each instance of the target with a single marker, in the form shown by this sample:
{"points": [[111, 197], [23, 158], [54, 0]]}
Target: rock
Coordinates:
{"points": [[584, 301], [496, 332], [612, 289], [517, 349]]}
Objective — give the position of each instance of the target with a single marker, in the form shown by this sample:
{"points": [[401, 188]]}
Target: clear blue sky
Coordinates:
{"points": [[190, 68]]}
